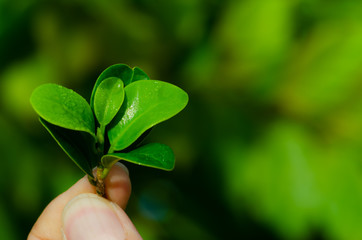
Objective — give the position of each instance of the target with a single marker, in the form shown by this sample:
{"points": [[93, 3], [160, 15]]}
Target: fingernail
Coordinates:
{"points": [[91, 217]]}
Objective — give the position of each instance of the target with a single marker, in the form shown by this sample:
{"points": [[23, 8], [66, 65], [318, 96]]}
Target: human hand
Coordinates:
{"points": [[79, 213]]}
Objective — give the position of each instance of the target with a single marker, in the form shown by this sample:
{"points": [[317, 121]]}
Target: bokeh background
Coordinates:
{"points": [[269, 146]]}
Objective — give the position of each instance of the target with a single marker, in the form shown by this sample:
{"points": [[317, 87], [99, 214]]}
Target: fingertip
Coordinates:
{"points": [[89, 216], [118, 185]]}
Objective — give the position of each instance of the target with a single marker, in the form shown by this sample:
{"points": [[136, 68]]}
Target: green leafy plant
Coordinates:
{"points": [[125, 104]]}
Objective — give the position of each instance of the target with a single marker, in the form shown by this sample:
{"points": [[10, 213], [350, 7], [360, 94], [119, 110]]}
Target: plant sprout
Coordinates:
{"points": [[125, 104]]}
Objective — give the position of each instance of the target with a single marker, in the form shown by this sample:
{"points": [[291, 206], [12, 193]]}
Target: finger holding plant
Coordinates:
{"points": [[125, 104]]}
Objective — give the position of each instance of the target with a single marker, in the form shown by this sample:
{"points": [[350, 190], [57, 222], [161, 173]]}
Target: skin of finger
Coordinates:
{"points": [[48, 225], [131, 231], [77, 205]]}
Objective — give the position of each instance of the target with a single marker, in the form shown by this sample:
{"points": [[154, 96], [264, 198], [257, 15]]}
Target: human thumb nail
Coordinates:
{"points": [[89, 216]]}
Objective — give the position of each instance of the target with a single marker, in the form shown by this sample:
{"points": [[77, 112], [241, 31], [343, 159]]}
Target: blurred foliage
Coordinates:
{"points": [[269, 146]]}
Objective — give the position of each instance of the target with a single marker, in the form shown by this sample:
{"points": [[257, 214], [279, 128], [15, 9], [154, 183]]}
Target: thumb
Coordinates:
{"points": [[89, 216]]}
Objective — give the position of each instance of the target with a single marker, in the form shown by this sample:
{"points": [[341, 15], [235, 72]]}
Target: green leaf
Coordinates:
{"points": [[63, 107], [139, 74], [108, 99], [154, 155], [122, 71], [139, 140], [79, 146], [147, 103]]}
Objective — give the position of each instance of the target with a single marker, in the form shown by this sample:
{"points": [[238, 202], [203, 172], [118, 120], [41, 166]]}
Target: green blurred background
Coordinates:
{"points": [[269, 146]]}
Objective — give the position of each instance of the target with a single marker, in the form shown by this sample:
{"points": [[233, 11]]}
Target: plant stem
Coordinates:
{"points": [[100, 186], [100, 137], [110, 150], [99, 179]]}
